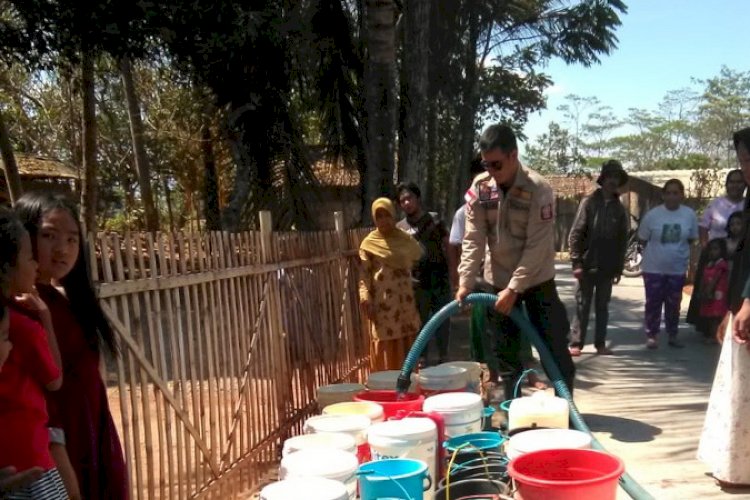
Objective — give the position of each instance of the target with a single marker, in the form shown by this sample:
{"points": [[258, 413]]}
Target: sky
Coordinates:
{"points": [[662, 44]]}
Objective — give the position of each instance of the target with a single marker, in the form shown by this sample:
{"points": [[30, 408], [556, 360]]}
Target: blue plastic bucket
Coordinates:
{"points": [[484, 441], [487, 418], [473, 446], [393, 478]]}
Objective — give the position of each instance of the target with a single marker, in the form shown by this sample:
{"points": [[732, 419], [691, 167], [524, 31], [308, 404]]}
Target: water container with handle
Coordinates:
{"points": [[441, 378], [413, 438], [440, 424], [401, 478], [539, 410], [337, 393], [391, 401], [315, 488], [327, 463]]}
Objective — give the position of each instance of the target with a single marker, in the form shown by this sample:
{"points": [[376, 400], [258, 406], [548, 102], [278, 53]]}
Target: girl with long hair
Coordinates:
{"points": [[80, 409]]}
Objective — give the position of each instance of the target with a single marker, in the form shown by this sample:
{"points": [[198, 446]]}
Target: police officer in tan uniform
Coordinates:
{"points": [[510, 210]]}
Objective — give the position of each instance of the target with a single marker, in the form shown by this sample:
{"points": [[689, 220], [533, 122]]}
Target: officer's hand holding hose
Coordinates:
{"points": [[461, 294], [506, 299]]}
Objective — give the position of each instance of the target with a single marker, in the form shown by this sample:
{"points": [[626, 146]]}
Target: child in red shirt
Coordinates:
{"points": [[714, 288], [32, 366]]}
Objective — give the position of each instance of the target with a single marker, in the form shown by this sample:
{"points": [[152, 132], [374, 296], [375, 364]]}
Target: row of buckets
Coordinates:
{"points": [[436, 443]]}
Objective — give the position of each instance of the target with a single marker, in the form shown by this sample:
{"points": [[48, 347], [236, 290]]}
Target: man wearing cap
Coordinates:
{"points": [[510, 211], [597, 242]]}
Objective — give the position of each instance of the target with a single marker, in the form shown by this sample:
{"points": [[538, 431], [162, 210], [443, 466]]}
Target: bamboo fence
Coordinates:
{"points": [[225, 339]]}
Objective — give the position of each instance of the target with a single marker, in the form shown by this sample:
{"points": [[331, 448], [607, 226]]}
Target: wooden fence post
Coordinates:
{"points": [[348, 321], [277, 336]]}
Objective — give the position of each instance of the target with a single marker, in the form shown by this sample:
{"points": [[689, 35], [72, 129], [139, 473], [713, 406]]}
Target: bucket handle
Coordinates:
{"points": [[429, 482], [400, 486], [450, 466]]}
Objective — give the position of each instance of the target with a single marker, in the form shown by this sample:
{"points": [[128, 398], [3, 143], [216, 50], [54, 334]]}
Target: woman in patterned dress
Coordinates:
{"points": [[385, 289]]}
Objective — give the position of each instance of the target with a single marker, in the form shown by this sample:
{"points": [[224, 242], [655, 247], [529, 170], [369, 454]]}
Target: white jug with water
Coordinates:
{"points": [[541, 409]]}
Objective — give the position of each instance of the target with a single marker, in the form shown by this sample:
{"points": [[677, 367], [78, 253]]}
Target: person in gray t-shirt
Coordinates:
{"points": [[667, 230]]}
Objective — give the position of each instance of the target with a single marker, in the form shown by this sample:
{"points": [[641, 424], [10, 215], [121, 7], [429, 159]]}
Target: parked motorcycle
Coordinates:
{"points": [[634, 251]]}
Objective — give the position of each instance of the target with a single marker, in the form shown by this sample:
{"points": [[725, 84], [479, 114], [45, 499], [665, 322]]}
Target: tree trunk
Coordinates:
{"points": [[168, 199], [12, 177], [89, 188], [380, 100], [428, 193], [414, 90], [139, 150], [210, 176], [467, 116], [238, 129]]}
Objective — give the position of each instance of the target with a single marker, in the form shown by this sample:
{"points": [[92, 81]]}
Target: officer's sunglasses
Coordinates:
{"points": [[492, 165]]}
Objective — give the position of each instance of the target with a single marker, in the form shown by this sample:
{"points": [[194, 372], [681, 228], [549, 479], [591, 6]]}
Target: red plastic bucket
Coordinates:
{"points": [[391, 402], [566, 475]]}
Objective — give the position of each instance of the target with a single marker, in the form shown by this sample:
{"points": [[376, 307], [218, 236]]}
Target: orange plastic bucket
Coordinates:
{"points": [[566, 475]]}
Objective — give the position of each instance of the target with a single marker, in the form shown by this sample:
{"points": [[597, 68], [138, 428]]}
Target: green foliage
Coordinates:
{"points": [[553, 151], [690, 129], [282, 75]]}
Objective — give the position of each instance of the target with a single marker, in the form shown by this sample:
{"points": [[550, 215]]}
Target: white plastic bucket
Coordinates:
{"points": [[325, 440], [383, 381], [546, 439], [371, 410], [330, 464], [461, 411], [337, 393], [538, 410], [412, 437], [314, 488], [386, 381], [441, 378], [473, 374], [354, 425]]}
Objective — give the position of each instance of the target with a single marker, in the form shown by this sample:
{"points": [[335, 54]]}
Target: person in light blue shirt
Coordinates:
{"points": [[667, 231]]}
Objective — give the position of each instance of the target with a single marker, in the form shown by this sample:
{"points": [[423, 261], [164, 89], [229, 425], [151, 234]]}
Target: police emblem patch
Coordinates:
{"points": [[546, 212]]}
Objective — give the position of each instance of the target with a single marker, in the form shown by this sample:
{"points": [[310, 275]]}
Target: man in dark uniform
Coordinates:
{"points": [[510, 210]]}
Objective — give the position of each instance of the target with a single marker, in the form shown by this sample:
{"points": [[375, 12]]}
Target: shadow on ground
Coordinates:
{"points": [[622, 429]]}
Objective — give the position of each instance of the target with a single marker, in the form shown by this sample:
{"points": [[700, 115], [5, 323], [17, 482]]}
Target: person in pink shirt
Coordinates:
{"points": [[713, 221]]}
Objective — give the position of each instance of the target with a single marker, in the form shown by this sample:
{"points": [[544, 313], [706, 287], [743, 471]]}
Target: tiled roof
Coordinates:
{"points": [[35, 167]]}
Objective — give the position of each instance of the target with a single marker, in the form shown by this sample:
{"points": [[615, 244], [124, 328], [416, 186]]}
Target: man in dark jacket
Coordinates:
{"points": [[597, 243], [431, 282]]}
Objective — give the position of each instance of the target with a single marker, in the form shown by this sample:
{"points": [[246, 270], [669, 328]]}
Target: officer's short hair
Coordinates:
{"points": [[410, 187], [498, 136], [475, 167]]}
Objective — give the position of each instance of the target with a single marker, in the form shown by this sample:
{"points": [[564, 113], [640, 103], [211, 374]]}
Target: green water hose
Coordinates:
{"points": [[627, 483]]}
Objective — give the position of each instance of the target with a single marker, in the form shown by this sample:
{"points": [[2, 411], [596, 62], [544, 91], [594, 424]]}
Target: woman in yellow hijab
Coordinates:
{"points": [[385, 288]]}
